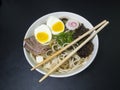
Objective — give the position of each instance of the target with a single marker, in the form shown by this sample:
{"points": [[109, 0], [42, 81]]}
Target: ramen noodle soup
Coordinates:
{"points": [[52, 36]]}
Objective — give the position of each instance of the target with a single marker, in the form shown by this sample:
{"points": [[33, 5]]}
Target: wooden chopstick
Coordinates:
{"points": [[74, 51], [67, 46]]}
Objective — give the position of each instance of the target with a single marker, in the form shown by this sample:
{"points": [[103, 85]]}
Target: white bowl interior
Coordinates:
{"points": [[79, 18]]}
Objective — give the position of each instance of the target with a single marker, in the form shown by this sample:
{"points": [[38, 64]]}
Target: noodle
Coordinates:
{"points": [[74, 62], [48, 53]]}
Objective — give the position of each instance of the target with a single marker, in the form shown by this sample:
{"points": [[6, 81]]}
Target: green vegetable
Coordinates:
{"points": [[64, 37]]}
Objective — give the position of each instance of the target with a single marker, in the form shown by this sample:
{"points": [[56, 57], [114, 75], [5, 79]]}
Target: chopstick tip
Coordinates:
{"points": [[40, 80], [32, 69], [108, 22], [105, 20]]}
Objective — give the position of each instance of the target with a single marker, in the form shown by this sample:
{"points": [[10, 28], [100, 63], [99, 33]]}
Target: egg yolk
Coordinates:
{"points": [[42, 37], [58, 27]]}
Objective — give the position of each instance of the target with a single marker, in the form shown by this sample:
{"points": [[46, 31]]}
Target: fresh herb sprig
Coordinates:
{"points": [[64, 37]]}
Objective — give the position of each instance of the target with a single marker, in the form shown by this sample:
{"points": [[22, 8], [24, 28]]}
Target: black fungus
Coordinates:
{"points": [[79, 31], [64, 20], [87, 49]]}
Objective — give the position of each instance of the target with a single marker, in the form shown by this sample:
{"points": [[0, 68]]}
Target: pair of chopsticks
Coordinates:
{"points": [[97, 29]]}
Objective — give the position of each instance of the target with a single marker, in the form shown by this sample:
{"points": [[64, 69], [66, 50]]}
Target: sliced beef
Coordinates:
{"points": [[31, 45]]}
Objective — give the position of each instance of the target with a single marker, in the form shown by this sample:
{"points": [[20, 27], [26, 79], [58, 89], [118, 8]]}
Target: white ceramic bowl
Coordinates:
{"points": [[42, 20]]}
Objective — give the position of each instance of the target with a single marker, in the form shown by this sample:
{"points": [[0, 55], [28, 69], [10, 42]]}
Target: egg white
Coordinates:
{"points": [[43, 28], [51, 21]]}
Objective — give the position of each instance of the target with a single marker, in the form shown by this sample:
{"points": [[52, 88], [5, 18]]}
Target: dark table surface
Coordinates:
{"points": [[15, 18]]}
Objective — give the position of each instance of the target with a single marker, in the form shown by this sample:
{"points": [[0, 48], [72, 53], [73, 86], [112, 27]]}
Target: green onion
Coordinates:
{"points": [[64, 37]]}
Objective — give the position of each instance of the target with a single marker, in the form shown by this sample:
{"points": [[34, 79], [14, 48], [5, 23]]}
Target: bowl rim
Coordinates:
{"points": [[68, 74]]}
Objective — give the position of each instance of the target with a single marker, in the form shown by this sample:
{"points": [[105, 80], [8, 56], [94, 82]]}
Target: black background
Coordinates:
{"points": [[15, 18]]}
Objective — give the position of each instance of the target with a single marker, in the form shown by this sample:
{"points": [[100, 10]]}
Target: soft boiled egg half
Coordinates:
{"points": [[55, 24], [43, 34]]}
